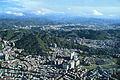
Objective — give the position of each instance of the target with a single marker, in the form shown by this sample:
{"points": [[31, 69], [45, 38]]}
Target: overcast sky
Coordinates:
{"points": [[101, 8]]}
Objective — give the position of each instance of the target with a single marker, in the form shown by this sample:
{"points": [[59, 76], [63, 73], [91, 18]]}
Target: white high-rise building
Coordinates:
{"points": [[72, 55], [72, 64]]}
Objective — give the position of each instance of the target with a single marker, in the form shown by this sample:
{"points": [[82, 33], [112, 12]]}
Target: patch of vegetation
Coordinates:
{"points": [[89, 67], [88, 34], [1, 46], [80, 57], [109, 66], [115, 60]]}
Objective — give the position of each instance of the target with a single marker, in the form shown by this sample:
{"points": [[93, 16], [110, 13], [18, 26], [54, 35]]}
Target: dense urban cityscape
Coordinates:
{"points": [[61, 63]]}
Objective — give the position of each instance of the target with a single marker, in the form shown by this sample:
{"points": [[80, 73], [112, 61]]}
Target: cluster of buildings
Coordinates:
{"points": [[95, 43], [65, 27]]}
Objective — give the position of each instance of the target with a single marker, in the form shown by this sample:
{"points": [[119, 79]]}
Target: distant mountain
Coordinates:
{"points": [[52, 19], [10, 22]]}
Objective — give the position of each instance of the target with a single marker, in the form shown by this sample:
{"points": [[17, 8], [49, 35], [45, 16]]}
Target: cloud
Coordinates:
{"points": [[15, 8], [15, 0], [42, 7], [44, 11], [14, 13], [60, 12], [69, 8], [29, 5], [32, 6], [111, 15], [95, 12]]}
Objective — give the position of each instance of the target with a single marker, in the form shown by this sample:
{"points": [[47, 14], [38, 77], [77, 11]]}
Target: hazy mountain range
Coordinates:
{"points": [[54, 19]]}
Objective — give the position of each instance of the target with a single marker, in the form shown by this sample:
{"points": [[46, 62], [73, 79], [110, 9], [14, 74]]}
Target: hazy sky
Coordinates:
{"points": [[100, 8]]}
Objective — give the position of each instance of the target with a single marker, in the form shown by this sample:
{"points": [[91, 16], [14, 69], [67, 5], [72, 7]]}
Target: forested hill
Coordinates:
{"points": [[39, 42]]}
